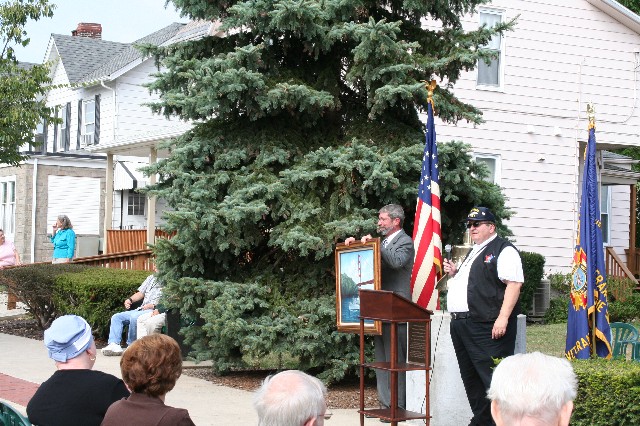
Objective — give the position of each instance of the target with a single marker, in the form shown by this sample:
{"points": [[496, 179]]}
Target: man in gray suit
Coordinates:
{"points": [[397, 254]]}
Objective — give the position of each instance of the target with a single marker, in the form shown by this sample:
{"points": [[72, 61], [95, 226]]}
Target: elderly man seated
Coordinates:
{"points": [[532, 390], [149, 292]]}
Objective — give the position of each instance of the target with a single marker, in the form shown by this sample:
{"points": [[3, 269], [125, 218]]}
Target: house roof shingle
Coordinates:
{"points": [[82, 55], [131, 53], [88, 59]]}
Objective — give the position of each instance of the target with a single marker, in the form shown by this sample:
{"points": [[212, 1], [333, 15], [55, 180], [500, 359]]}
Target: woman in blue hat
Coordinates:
{"points": [[75, 394]]}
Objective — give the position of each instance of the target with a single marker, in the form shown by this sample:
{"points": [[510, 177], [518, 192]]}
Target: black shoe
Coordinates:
{"points": [[385, 421]]}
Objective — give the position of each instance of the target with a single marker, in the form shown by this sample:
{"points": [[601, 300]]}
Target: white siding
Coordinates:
{"points": [[135, 118], [561, 54], [121, 218], [76, 197], [620, 219]]}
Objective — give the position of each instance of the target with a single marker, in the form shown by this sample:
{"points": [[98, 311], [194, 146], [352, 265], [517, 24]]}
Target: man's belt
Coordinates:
{"points": [[459, 315]]}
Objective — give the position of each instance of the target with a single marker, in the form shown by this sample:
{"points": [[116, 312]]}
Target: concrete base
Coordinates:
{"points": [[448, 400]]}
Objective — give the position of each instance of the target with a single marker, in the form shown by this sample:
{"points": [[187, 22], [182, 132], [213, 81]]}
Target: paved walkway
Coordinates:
{"points": [[24, 365]]}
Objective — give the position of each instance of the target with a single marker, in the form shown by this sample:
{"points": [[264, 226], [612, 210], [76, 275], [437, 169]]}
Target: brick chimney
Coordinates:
{"points": [[88, 29]]}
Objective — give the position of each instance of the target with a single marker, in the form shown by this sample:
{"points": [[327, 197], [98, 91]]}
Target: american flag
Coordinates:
{"points": [[427, 234]]}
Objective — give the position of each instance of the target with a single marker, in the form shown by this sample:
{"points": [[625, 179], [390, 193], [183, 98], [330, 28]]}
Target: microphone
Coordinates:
{"points": [[441, 285], [447, 248]]}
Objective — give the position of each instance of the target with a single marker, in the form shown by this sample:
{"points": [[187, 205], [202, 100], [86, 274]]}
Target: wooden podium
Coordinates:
{"points": [[386, 306]]}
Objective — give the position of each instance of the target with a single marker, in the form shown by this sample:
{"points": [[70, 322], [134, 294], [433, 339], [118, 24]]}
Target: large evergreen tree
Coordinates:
{"points": [[22, 88], [308, 122]]}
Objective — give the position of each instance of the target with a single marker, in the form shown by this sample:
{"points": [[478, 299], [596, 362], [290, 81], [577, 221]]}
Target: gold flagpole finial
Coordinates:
{"points": [[591, 115], [430, 86]]}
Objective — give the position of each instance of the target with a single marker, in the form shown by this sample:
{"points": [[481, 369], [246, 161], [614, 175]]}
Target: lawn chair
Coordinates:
{"points": [[623, 335], [9, 416]]}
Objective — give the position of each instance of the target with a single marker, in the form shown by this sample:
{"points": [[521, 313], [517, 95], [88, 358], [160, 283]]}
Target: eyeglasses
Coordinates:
{"points": [[475, 224]]}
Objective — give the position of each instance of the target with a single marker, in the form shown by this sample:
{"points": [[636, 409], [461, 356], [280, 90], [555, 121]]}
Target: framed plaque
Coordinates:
{"points": [[357, 267]]}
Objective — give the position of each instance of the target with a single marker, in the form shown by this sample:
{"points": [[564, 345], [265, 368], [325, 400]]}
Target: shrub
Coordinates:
{"points": [[620, 289], [34, 285], [625, 310], [608, 393], [560, 283], [50, 291], [96, 293], [558, 310], [533, 268]]}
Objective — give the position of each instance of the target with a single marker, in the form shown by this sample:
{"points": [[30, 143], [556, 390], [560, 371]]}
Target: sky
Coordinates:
{"points": [[122, 20]]}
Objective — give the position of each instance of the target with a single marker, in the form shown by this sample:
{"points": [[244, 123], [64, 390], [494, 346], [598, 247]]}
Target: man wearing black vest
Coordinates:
{"points": [[482, 299]]}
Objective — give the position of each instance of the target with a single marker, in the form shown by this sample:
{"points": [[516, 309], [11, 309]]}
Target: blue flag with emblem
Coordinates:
{"points": [[588, 332]]}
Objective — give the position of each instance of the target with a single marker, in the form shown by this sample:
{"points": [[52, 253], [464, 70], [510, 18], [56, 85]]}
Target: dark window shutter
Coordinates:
{"points": [[45, 131], [67, 133], [78, 139], [55, 134], [96, 131]]}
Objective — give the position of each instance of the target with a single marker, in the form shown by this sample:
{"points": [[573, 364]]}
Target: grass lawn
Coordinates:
{"points": [[548, 339]]}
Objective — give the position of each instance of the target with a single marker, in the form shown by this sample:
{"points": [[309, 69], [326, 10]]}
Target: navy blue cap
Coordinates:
{"points": [[480, 214]]}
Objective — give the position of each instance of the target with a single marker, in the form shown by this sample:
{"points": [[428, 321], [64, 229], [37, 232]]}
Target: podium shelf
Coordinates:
{"points": [[400, 366], [401, 414]]}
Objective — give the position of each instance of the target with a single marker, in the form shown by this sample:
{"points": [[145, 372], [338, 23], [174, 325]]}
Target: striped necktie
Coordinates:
{"points": [[385, 243]]}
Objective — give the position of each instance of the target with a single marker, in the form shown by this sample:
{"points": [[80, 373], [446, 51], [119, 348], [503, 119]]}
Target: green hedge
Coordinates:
{"points": [[533, 268], [608, 393], [96, 293], [625, 311], [35, 285]]}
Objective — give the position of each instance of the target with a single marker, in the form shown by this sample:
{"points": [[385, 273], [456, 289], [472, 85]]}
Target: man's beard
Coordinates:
{"points": [[383, 231]]}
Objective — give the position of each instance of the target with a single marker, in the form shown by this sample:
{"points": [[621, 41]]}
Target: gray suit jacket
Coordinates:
{"points": [[397, 263]]}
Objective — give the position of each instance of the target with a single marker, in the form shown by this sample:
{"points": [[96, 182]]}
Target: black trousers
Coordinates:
{"points": [[475, 350]]}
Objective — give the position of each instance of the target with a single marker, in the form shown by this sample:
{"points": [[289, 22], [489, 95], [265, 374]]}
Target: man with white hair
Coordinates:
{"points": [[291, 398], [532, 390]]}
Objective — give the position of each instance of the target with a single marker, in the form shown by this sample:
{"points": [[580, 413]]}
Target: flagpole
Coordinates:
{"points": [[591, 114]]}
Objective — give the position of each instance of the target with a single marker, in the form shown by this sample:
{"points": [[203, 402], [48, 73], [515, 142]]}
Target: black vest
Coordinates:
{"points": [[485, 292]]}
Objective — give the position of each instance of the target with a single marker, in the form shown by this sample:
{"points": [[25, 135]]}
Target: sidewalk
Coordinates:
{"points": [[24, 364]]}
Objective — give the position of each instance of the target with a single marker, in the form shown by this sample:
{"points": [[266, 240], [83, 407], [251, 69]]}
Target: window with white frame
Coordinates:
{"points": [[605, 213], [490, 73], [88, 120], [8, 205], [135, 205], [492, 162]]}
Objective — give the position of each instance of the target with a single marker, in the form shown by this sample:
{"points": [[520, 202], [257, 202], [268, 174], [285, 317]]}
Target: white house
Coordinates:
{"points": [[560, 55], [87, 167]]}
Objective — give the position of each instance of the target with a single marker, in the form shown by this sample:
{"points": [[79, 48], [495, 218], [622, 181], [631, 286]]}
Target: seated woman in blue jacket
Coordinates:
{"points": [[63, 239]]}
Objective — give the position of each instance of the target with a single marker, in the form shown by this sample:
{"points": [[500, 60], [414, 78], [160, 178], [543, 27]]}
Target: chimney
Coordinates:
{"points": [[88, 29]]}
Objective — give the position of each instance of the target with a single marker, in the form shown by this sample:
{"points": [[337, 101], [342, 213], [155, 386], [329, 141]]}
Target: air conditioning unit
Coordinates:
{"points": [[86, 140], [541, 299]]}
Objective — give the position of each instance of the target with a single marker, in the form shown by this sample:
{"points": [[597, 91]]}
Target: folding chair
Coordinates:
{"points": [[9, 416], [622, 336]]}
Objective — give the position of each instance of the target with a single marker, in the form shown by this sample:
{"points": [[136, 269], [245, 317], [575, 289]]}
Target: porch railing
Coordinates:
{"points": [[123, 240], [633, 260], [134, 259], [615, 266]]}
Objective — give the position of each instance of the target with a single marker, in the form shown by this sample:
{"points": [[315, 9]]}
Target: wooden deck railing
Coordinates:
{"points": [[135, 259], [122, 240], [633, 261], [615, 266]]}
